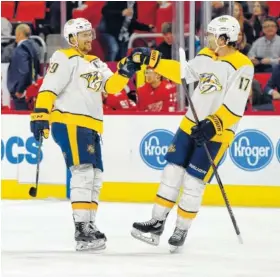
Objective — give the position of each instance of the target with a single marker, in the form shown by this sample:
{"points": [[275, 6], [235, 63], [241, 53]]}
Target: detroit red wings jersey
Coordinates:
{"points": [[160, 99], [119, 101]]}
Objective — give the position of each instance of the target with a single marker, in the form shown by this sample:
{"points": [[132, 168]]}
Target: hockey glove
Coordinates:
{"points": [[144, 55], [127, 68], [39, 124], [207, 129]]}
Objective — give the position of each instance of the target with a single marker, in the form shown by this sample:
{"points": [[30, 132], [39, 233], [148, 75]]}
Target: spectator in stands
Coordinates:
{"points": [[156, 95], [242, 44], [218, 8], [260, 12], [265, 51], [245, 26], [117, 24], [7, 45], [6, 29], [273, 85], [166, 46], [24, 67], [245, 8], [55, 12]]}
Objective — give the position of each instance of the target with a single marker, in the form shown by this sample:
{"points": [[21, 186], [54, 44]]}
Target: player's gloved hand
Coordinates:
{"points": [[207, 129], [127, 68], [145, 55], [40, 123]]}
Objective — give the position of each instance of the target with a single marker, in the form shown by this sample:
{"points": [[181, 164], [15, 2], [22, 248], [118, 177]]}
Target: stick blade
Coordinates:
{"points": [[33, 192], [240, 239], [182, 57]]}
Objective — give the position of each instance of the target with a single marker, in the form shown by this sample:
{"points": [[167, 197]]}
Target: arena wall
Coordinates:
{"points": [[133, 151]]}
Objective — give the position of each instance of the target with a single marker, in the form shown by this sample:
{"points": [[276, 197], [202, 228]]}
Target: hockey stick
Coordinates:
{"points": [[182, 56], [33, 190]]}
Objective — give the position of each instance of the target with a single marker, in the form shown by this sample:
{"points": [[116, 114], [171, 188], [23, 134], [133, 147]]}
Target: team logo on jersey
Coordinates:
{"points": [[208, 82], [251, 150], [154, 147], [94, 80], [90, 149]]}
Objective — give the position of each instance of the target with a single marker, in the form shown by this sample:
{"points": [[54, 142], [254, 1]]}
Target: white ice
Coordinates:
{"points": [[37, 240]]}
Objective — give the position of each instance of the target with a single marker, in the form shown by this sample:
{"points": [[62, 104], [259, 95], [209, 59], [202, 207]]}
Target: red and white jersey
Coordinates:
{"points": [[119, 101], [160, 99]]}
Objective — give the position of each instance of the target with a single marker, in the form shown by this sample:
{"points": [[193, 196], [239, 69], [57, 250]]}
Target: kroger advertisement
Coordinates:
{"points": [[134, 149]]}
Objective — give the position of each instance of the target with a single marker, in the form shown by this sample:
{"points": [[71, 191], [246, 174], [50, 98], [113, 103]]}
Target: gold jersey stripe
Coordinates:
{"points": [[115, 83], [227, 116], [169, 69], [78, 120], [216, 161], [164, 202], [93, 206], [186, 214], [45, 100], [72, 136], [81, 206]]}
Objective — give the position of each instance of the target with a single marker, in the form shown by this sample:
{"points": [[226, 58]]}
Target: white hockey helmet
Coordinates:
{"points": [[224, 25], [74, 26]]}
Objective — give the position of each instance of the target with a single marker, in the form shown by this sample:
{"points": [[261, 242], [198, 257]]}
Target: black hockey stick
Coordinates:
{"points": [[184, 83], [33, 190]]}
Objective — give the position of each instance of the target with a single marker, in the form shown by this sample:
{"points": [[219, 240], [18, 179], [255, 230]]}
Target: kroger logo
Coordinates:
{"points": [[278, 150], [154, 146], [251, 150]]}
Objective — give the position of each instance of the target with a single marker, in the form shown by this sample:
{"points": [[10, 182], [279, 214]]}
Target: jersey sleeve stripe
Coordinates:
{"points": [[231, 111], [46, 99], [227, 116]]}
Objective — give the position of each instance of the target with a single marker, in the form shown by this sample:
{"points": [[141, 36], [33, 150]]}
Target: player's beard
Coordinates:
{"points": [[86, 47]]}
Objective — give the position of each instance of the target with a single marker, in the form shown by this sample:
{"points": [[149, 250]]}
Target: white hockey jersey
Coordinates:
{"points": [[223, 88], [72, 89]]}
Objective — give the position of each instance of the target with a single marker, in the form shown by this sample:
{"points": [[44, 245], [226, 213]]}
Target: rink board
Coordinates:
{"points": [[133, 152]]}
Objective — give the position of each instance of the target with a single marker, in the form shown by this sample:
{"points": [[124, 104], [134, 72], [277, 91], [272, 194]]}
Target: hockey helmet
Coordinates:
{"points": [[75, 26], [224, 25]]}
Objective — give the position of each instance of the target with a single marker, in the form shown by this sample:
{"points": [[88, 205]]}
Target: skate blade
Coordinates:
{"points": [[175, 249], [152, 240], [90, 246]]}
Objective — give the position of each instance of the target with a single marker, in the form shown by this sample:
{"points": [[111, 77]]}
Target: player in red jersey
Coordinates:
{"points": [[118, 101], [156, 95]]}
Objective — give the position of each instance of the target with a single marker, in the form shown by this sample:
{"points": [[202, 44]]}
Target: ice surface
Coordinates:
{"points": [[37, 240]]}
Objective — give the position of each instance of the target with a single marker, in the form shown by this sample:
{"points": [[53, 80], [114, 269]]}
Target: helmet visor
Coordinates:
{"points": [[89, 35]]}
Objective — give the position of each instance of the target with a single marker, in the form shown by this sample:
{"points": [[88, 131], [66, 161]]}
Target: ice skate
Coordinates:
{"points": [[177, 240], [86, 238], [148, 231], [98, 234]]}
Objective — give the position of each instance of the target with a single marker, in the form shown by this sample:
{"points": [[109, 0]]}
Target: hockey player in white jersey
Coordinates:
{"points": [[225, 76], [70, 99]]}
